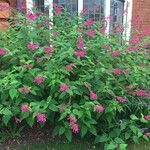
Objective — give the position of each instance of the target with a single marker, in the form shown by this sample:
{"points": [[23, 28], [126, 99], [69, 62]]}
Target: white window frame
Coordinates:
{"points": [[126, 19]]}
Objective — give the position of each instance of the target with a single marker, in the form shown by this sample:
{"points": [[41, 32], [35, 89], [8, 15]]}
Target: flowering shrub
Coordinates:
{"points": [[75, 76]]}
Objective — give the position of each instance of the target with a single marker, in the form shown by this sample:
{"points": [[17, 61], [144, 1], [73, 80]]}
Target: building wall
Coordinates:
{"points": [[141, 16]]}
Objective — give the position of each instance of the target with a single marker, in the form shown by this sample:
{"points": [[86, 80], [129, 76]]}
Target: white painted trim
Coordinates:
{"points": [[29, 4], [127, 19], [107, 14], [80, 6], [50, 8]]}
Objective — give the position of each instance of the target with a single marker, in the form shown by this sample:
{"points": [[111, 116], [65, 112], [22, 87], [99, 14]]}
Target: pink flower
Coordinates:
{"points": [[93, 95], [85, 10], [39, 79], [32, 46], [31, 16], [103, 30], [131, 48], [147, 117], [48, 50], [17, 120], [55, 34], [64, 88], [91, 33], [54, 4], [115, 53], [75, 128], [80, 45], [125, 71], [69, 67], [117, 71], [57, 11], [61, 109], [24, 90], [41, 118], [38, 25], [141, 93], [80, 53], [25, 108], [121, 99], [107, 47], [7, 51], [80, 40], [135, 40], [48, 23], [147, 134], [89, 22], [99, 108], [2, 52], [29, 66]]}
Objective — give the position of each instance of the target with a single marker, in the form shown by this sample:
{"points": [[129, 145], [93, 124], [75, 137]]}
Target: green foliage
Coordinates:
{"points": [[92, 72]]}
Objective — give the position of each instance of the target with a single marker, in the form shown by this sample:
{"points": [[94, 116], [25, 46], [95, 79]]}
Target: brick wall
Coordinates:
{"points": [[141, 16]]}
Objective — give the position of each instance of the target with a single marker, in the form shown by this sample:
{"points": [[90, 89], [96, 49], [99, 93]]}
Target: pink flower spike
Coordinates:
{"points": [[99, 108], [103, 30], [24, 90], [48, 50], [57, 11], [80, 40], [80, 53], [89, 22], [64, 88], [2, 52], [117, 71], [55, 34], [54, 4], [135, 40], [7, 51], [115, 53], [141, 93], [69, 67], [25, 108], [121, 99], [85, 10], [125, 71], [41, 118], [107, 47], [80, 45], [32, 46], [93, 95], [147, 134], [75, 128], [147, 117], [61, 109], [91, 33], [31, 16], [39, 79], [17, 120]]}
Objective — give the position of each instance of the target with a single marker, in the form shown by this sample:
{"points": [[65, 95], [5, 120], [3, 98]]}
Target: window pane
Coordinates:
{"points": [[95, 9], [71, 5], [116, 8]]}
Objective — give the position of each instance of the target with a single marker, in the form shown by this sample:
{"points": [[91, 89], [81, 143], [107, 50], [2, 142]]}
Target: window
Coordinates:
{"points": [[116, 8], [95, 9]]}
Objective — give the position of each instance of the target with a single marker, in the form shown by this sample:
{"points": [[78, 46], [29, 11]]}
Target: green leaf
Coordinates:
{"points": [[7, 112], [6, 119], [93, 130], [69, 135], [63, 115], [118, 140], [110, 146], [123, 146], [84, 130], [13, 93], [102, 138], [133, 117], [61, 130], [53, 107]]}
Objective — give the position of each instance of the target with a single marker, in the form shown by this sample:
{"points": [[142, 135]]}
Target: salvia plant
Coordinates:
{"points": [[66, 71]]}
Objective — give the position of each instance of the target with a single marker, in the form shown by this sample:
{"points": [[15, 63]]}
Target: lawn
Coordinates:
{"points": [[81, 145]]}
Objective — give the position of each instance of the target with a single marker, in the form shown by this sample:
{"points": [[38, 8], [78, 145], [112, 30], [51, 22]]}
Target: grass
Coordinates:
{"points": [[81, 145]]}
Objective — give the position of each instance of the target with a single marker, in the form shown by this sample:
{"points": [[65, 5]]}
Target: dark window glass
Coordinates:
{"points": [[95, 9]]}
